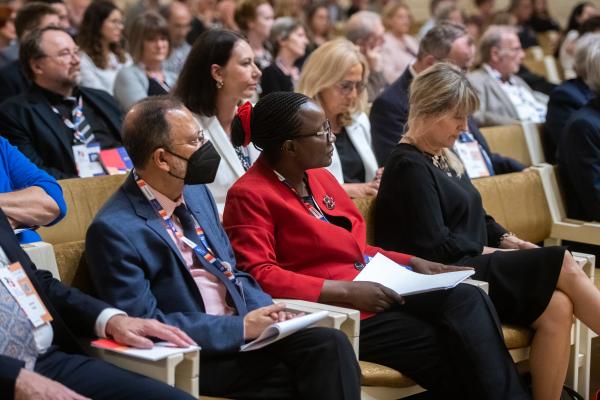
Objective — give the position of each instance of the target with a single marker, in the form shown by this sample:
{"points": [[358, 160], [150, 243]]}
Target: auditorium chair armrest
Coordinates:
{"points": [[42, 255], [480, 284]]}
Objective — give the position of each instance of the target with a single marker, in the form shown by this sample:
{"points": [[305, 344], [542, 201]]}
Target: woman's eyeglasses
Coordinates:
{"points": [[346, 87], [325, 130]]}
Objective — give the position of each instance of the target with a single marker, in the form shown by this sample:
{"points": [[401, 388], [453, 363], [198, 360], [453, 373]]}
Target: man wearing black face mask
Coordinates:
{"points": [[157, 249]]}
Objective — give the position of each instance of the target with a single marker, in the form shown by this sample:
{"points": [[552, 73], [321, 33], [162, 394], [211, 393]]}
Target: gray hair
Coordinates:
{"points": [[282, 28], [581, 51], [491, 38], [361, 26], [438, 40], [592, 66]]}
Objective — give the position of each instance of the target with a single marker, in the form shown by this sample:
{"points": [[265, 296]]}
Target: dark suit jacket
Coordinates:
{"points": [[28, 122], [579, 162], [73, 312], [12, 80], [137, 267], [389, 115], [567, 98]]}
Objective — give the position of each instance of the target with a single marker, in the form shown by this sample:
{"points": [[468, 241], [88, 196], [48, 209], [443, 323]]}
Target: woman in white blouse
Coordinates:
{"points": [[100, 39], [217, 76], [399, 47]]}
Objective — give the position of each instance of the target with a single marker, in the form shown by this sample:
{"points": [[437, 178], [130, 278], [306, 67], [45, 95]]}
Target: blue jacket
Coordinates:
{"points": [[579, 162], [17, 172], [135, 266]]}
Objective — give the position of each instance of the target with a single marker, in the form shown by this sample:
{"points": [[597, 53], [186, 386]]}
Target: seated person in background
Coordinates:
{"points": [[541, 20], [579, 147], [28, 196], [399, 47], [504, 97], [149, 43], [522, 11], [13, 80], [389, 112], [45, 361], [101, 42], [366, 30], [289, 41], [566, 53], [55, 119], [179, 18], [172, 261], [570, 96], [298, 233], [335, 76], [255, 19], [427, 206]]}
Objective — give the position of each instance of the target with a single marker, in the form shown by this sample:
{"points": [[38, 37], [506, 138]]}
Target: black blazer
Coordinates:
{"points": [[28, 122], [389, 115], [74, 313], [12, 80]]}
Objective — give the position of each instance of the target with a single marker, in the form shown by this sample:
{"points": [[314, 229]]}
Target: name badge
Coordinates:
{"points": [[16, 281], [471, 157], [87, 159]]}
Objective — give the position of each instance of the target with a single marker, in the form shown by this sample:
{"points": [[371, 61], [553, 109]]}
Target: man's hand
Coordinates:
{"points": [[33, 386], [134, 332], [256, 321], [430, 268]]}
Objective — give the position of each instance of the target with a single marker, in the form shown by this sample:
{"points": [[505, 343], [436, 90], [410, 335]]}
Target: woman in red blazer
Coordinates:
{"points": [[294, 228]]}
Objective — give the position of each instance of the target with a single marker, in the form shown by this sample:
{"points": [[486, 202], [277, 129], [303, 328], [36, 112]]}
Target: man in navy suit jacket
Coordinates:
{"points": [[389, 113], [140, 260], [34, 121], [61, 370]]}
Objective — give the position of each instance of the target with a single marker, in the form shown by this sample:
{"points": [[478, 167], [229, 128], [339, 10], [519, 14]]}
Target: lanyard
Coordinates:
{"points": [[312, 209], [468, 137], [78, 118], [204, 249]]}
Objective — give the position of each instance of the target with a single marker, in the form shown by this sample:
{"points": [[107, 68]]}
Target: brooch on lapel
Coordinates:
{"points": [[329, 202]]}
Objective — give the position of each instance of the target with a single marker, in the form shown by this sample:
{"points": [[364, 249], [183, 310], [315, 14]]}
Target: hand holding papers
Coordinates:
{"points": [[386, 272]]}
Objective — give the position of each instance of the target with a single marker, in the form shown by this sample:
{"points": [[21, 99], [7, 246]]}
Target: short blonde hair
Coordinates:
{"points": [[439, 90], [328, 65], [391, 9]]}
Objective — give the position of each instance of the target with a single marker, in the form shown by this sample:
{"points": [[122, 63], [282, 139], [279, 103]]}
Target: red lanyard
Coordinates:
{"points": [[312, 209]]}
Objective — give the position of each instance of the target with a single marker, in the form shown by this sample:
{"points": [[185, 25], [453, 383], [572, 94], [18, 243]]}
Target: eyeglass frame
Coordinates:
{"points": [[345, 88], [201, 139], [327, 132]]}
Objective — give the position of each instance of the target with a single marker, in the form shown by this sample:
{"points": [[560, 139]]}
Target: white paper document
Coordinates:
{"points": [[283, 329], [396, 277], [158, 352]]}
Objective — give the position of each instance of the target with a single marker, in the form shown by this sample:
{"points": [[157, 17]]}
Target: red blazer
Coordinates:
{"points": [[288, 250]]}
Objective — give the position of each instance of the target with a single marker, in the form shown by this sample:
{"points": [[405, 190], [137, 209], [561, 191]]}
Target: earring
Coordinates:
{"points": [[220, 84]]}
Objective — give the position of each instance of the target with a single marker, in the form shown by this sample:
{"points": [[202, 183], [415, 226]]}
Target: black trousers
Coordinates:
{"points": [[450, 342], [316, 363], [100, 380]]}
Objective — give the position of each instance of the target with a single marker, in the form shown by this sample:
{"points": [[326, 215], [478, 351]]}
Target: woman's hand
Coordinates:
{"points": [[430, 268], [511, 242], [364, 296], [356, 190]]}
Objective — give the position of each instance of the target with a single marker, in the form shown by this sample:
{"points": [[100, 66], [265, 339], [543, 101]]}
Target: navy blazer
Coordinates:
{"points": [[567, 98], [74, 313], [389, 115], [579, 163], [135, 265], [12, 80], [28, 122]]}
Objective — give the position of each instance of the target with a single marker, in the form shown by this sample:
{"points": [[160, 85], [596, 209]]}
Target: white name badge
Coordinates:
{"points": [[16, 281], [87, 159], [471, 157]]}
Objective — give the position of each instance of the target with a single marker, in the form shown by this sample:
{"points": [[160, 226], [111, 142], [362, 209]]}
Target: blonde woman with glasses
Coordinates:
{"points": [[335, 76]]}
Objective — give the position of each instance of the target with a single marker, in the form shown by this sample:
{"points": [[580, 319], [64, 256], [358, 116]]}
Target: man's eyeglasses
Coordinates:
{"points": [[198, 140], [325, 131], [346, 87]]}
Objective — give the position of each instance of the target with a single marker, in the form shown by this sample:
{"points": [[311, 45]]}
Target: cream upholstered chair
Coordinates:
{"points": [[523, 142]]}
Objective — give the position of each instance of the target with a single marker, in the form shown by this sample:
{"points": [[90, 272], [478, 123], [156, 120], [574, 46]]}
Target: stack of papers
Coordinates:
{"points": [[158, 352]]}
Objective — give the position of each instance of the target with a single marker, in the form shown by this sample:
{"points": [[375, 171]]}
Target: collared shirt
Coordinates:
{"points": [[211, 289], [527, 106], [64, 105], [44, 334]]}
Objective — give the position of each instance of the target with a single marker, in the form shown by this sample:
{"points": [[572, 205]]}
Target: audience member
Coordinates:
{"points": [[218, 74], [334, 76], [581, 13], [43, 360], [137, 8], [289, 8], [101, 42], [431, 22], [75, 11], [149, 43], [579, 147], [504, 97], [522, 10], [179, 18], [7, 26], [226, 15], [483, 14], [389, 112], [160, 264], [400, 49], [318, 25], [541, 20], [569, 97], [198, 8], [427, 206], [366, 30], [448, 12], [56, 123], [298, 233], [28, 196], [255, 19], [13, 80], [289, 41], [60, 8]]}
